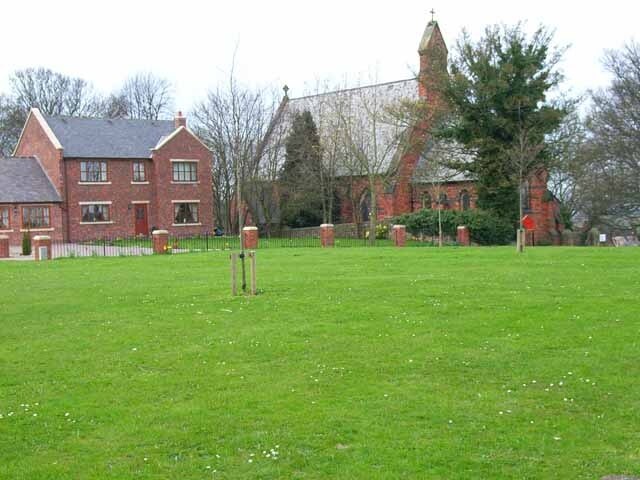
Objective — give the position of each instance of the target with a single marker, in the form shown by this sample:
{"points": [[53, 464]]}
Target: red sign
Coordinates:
{"points": [[528, 223]]}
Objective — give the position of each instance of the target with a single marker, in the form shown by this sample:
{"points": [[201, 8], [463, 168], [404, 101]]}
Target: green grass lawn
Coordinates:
{"points": [[372, 363]]}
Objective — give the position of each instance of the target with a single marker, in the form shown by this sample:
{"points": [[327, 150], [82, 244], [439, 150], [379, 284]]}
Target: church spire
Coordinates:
{"points": [[433, 57]]}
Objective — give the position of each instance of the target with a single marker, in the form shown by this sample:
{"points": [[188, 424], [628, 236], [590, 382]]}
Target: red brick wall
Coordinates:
{"points": [[34, 142], [453, 191], [543, 210], [119, 190], [15, 230], [384, 201], [182, 146]]}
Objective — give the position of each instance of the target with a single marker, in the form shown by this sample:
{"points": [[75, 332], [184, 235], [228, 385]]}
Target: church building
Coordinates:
{"points": [[406, 179]]}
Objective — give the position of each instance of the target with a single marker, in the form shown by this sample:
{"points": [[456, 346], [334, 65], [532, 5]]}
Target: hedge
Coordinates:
{"points": [[485, 228]]}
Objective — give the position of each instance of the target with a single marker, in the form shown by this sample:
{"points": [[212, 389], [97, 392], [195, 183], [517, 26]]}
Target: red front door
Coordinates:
{"points": [[142, 224]]}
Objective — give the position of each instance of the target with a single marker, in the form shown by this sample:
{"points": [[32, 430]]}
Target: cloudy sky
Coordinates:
{"points": [[294, 42]]}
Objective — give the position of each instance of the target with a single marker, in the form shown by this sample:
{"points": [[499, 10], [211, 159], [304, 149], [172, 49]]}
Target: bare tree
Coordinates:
{"points": [[569, 165], [52, 92], [373, 141], [232, 121], [146, 96], [614, 132]]}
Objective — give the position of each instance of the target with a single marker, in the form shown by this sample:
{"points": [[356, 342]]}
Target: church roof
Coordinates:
{"points": [[326, 109], [432, 164]]}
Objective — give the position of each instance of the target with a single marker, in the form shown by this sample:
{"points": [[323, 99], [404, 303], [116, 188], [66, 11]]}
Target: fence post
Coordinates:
{"points": [[4, 246], [250, 237], [42, 247], [462, 236], [254, 287], [399, 235], [160, 241], [327, 235], [234, 274], [206, 239]]}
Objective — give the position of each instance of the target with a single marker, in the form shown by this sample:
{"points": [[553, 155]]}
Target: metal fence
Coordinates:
{"points": [[289, 238]]}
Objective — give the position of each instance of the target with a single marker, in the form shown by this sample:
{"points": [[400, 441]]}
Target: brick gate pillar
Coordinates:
{"points": [[399, 233], [4, 246], [250, 237], [160, 241], [327, 235], [462, 237], [42, 242]]}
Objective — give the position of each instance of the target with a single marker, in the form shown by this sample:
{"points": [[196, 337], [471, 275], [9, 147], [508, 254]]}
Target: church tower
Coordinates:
{"points": [[433, 61]]}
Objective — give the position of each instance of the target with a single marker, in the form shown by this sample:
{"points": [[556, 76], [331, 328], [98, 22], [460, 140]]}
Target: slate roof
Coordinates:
{"points": [[353, 101], [108, 138], [432, 164], [22, 180]]}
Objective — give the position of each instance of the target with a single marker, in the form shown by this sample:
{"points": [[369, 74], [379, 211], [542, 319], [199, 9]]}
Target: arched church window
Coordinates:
{"points": [[465, 200], [426, 200], [443, 200], [365, 206]]}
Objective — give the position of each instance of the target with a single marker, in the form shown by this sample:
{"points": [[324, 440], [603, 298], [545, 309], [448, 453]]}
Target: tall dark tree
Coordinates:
{"points": [[499, 94], [301, 204]]}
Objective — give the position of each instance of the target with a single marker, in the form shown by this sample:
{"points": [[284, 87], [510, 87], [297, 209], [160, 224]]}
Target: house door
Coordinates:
{"points": [[142, 224]]}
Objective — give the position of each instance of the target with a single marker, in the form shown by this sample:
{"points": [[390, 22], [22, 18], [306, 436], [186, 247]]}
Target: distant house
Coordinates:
{"points": [[87, 178], [411, 187]]}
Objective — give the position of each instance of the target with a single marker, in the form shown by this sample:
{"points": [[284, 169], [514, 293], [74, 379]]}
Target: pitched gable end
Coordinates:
{"points": [[36, 115], [165, 140]]}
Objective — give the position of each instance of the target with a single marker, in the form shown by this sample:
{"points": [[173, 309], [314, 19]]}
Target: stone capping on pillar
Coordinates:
{"points": [[462, 236], [399, 234], [4, 246], [41, 241], [160, 241], [250, 237], [327, 235]]}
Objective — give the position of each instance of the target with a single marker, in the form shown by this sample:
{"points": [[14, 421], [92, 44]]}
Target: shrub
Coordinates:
{"points": [[26, 244], [426, 222], [485, 228]]}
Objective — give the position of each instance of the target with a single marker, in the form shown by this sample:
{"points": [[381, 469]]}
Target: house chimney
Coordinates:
{"points": [[180, 120]]}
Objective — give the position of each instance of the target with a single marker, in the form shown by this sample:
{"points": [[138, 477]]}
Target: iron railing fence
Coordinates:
{"points": [[289, 238]]}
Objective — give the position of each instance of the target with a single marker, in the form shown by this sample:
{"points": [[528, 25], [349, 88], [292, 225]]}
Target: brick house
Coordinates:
{"points": [[411, 187], [118, 177], [29, 202]]}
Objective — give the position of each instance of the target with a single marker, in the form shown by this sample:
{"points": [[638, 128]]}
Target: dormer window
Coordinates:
{"points": [[93, 171], [185, 171]]}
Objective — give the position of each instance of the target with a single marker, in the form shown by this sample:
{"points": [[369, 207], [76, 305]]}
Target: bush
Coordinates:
{"points": [[382, 231], [485, 228], [26, 244], [425, 222]]}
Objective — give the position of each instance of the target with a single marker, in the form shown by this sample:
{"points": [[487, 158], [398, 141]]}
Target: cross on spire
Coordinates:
{"points": [[432, 12]]}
